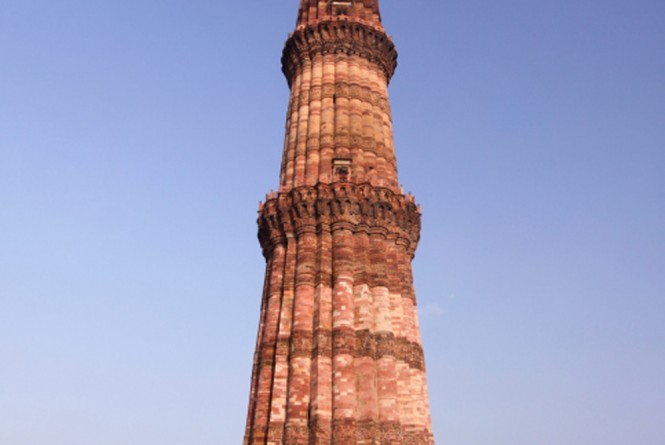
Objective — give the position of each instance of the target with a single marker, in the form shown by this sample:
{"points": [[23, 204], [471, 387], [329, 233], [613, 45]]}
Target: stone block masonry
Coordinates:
{"points": [[339, 358]]}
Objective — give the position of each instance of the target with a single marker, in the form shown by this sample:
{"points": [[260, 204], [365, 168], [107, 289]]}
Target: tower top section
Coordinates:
{"points": [[313, 11], [338, 63], [351, 27]]}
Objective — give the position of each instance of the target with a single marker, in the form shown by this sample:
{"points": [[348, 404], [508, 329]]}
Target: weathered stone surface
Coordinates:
{"points": [[335, 35], [358, 207], [338, 356]]}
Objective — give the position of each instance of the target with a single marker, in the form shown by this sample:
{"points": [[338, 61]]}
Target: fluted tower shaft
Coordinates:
{"points": [[339, 357]]}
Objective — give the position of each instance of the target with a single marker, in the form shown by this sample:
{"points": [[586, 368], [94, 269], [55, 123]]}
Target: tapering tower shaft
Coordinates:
{"points": [[338, 63], [339, 357]]}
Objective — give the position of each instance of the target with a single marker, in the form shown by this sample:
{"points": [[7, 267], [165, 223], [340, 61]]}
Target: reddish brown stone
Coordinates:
{"points": [[338, 355]]}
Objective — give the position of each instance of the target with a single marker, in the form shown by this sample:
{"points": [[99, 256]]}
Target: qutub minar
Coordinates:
{"points": [[338, 356]]}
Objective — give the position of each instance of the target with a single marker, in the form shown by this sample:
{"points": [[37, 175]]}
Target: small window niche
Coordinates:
{"points": [[340, 7], [342, 170]]}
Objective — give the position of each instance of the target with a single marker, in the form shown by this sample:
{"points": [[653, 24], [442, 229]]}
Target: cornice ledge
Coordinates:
{"points": [[335, 36], [325, 207]]}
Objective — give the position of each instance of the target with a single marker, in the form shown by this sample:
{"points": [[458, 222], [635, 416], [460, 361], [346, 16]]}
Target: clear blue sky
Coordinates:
{"points": [[137, 137]]}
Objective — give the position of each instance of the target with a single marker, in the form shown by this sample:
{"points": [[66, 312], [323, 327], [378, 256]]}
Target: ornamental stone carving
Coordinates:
{"points": [[338, 35], [359, 207]]}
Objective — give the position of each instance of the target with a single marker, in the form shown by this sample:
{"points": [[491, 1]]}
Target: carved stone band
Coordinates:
{"points": [[359, 344], [339, 36], [324, 207]]}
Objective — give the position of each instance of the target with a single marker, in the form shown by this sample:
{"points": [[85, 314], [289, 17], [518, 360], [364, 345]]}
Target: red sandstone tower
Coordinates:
{"points": [[338, 357]]}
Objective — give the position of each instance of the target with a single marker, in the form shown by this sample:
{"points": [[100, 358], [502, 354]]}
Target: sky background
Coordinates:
{"points": [[137, 138]]}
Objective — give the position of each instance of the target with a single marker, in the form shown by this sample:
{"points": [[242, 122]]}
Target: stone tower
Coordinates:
{"points": [[338, 356]]}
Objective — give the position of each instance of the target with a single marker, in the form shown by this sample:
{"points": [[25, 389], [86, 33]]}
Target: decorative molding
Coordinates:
{"points": [[339, 205], [356, 343], [338, 36]]}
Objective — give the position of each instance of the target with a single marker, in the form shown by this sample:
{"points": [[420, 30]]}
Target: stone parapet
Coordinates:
{"points": [[327, 207], [338, 36]]}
